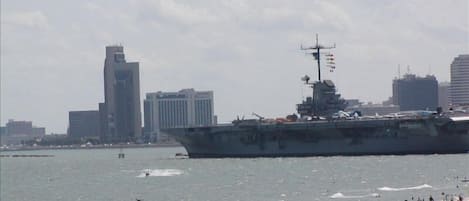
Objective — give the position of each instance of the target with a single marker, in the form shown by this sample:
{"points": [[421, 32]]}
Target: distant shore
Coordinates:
{"points": [[87, 146]]}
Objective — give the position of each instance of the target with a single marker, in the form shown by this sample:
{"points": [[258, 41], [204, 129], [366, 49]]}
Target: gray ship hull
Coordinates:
{"points": [[327, 138]]}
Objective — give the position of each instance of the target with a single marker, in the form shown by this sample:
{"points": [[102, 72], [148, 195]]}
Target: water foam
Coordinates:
{"points": [[340, 195], [403, 189], [160, 173]]}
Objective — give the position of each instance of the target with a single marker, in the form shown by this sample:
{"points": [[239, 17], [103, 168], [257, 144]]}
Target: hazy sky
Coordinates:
{"points": [[247, 52]]}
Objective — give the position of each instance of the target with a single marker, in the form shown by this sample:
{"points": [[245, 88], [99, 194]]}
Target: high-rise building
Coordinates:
{"points": [[460, 80], [443, 95], [83, 124], [122, 116], [415, 93], [177, 109]]}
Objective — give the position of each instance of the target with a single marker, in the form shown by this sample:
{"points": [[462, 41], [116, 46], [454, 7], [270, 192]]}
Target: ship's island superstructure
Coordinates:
{"points": [[323, 129]]}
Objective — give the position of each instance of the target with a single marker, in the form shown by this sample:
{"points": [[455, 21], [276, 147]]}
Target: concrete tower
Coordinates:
{"points": [[121, 109]]}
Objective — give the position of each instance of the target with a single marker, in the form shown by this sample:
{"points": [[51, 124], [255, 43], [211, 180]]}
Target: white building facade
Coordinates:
{"points": [[177, 109], [460, 80]]}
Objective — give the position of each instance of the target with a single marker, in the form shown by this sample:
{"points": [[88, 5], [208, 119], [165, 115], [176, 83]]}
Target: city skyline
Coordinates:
{"points": [[246, 52]]}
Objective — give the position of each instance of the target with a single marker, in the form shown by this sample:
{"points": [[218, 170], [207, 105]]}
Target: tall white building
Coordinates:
{"points": [[177, 109], [460, 80]]}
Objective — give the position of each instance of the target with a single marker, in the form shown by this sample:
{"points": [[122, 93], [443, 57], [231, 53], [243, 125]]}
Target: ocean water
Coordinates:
{"points": [[156, 174]]}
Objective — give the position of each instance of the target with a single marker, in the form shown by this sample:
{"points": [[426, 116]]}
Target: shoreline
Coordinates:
{"points": [[101, 146]]}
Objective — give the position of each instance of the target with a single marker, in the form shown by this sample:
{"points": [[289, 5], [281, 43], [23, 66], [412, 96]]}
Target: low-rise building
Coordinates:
{"points": [[444, 96], [373, 109], [18, 132], [84, 124]]}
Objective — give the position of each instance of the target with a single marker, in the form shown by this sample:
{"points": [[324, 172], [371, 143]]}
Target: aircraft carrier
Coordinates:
{"points": [[321, 128]]}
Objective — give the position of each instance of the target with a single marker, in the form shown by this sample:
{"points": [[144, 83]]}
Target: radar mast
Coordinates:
{"points": [[325, 100], [316, 52]]}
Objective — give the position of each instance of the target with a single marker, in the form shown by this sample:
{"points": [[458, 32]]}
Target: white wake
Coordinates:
{"points": [[403, 189], [160, 173], [340, 195]]}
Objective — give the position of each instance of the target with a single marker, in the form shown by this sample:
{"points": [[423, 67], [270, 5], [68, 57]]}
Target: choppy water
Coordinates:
{"points": [[155, 174]]}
